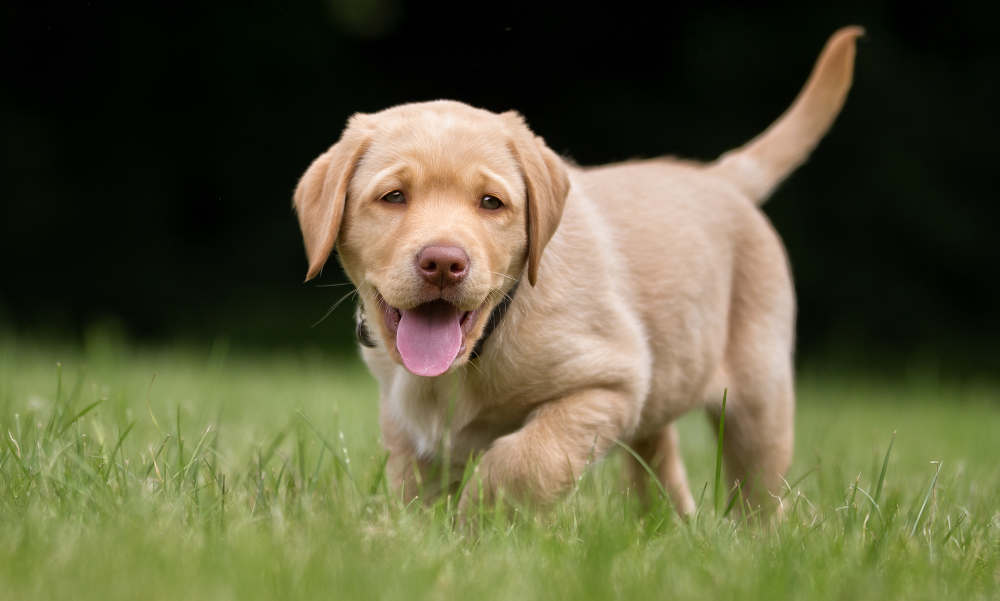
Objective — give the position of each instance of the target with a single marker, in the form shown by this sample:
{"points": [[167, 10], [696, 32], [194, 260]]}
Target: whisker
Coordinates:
{"points": [[333, 308], [472, 364], [504, 275], [333, 285], [476, 367], [501, 293]]}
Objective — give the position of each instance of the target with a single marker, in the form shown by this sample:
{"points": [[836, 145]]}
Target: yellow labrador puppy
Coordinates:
{"points": [[517, 306]]}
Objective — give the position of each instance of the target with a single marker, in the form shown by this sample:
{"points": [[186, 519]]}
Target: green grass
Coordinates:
{"points": [[131, 473]]}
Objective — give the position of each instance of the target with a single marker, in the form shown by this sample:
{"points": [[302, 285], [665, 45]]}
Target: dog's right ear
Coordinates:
{"points": [[322, 193], [547, 183]]}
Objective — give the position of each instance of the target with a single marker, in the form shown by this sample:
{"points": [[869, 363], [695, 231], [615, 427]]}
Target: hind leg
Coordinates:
{"points": [[757, 370], [661, 453], [758, 433]]}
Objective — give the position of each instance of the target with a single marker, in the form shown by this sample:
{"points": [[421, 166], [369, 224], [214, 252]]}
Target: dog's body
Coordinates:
{"points": [[661, 284]]}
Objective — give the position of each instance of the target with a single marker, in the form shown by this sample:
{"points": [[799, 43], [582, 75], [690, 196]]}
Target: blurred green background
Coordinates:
{"points": [[150, 151]]}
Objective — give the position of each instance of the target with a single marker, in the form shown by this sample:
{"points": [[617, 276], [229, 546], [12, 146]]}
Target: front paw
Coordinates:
{"points": [[514, 473], [496, 483]]}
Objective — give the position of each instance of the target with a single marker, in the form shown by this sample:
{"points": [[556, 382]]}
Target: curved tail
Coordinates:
{"points": [[758, 166]]}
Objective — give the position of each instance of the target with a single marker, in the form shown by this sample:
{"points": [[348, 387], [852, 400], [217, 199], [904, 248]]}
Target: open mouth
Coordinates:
{"points": [[430, 336]]}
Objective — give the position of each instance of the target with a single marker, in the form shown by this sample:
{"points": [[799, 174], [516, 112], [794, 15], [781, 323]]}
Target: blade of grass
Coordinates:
{"points": [[281, 474], [951, 530], [885, 465], [319, 461], [197, 449], [58, 381], [180, 441], [927, 497], [717, 492], [260, 486], [155, 456], [17, 446], [82, 412], [471, 465], [874, 503], [118, 445], [645, 466], [271, 448], [339, 462], [222, 504], [790, 487], [380, 475], [851, 509], [735, 494]]}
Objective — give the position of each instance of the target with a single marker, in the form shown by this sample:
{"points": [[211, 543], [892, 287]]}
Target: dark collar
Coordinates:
{"points": [[496, 316]]}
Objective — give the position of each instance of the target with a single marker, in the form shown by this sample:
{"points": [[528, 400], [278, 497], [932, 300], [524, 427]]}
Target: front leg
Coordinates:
{"points": [[412, 476], [540, 462]]}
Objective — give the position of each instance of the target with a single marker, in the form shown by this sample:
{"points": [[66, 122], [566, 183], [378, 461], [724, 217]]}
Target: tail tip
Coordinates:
{"points": [[850, 31]]}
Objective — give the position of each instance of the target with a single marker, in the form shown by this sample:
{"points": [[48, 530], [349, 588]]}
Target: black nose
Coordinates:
{"points": [[443, 265]]}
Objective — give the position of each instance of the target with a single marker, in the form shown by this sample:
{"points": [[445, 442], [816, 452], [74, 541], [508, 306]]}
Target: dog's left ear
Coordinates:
{"points": [[321, 194], [548, 185]]}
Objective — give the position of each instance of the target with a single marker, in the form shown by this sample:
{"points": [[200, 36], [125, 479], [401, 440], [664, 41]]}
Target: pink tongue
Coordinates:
{"points": [[429, 338]]}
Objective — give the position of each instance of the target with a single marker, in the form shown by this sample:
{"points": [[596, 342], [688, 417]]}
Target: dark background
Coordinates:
{"points": [[150, 150]]}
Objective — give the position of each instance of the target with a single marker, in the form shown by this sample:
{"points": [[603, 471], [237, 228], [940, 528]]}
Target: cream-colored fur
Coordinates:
{"points": [[647, 288]]}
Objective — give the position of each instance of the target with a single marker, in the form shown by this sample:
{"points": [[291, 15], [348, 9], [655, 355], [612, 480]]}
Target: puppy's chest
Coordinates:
{"points": [[446, 412]]}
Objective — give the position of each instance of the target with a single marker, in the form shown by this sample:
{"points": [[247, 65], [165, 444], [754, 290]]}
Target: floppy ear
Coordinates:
{"points": [[322, 193], [548, 185]]}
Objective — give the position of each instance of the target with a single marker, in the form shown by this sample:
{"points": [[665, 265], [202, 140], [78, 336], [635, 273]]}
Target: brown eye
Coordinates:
{"points": [[491, 203], [395, 197]]}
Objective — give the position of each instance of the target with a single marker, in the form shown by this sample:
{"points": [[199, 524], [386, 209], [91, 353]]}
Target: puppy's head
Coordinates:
{"points": [[436, 210]]}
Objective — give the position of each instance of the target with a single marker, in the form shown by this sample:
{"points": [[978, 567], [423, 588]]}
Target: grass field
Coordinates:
{"points": [[186, 473]]}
